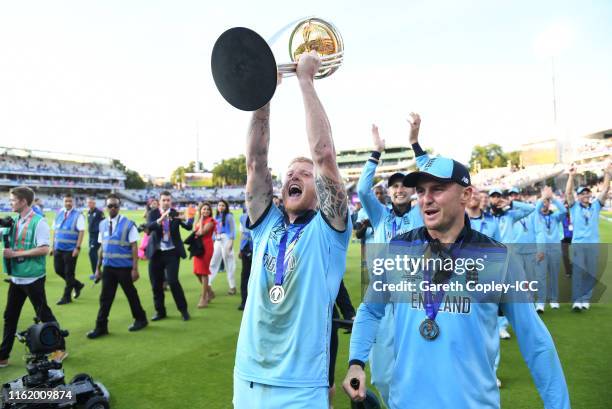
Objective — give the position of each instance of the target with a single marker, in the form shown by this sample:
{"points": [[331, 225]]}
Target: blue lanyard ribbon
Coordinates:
{"points": [[281, 265], [433, 302], [586, 213], [547, 221]]}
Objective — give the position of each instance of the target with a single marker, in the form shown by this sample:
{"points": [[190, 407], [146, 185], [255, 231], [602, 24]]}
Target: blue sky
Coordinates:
{"points": [[131, 79]]}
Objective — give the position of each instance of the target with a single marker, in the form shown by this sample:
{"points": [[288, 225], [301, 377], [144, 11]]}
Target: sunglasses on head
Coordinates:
{"points": [[112, 206]]}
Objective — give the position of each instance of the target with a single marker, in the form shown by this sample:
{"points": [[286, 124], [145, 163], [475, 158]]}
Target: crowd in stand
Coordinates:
{"points": [[56, 167]]}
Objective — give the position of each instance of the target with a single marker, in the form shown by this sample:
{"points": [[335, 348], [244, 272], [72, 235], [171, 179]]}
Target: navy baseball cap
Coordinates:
{"points": [[514, 189], [582, 189], [495, 191], [397, 176], [441, 169]]}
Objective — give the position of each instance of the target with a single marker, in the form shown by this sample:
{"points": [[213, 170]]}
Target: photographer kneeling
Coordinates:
{"points": [[25, 261]]}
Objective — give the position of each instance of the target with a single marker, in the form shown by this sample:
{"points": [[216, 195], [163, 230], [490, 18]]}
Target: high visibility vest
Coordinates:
{"points": [[116, 248], [66, 233], [26, 267]]}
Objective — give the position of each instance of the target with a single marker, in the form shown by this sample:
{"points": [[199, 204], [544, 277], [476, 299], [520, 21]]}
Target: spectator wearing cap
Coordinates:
{"points": [[585, 238]]}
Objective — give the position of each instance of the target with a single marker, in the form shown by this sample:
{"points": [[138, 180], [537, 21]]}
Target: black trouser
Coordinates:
{"points": [[164, 266], [565, 249], [94, 246], [15, 299], [333, 347], [244, 276], [64, 265], [111, 277]]}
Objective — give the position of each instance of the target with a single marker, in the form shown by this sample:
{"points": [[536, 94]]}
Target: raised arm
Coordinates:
{"points": [[329, 185], [569, 188], [421, 157], [259, 180], [374, 209], [520, 210], [606, 185]]}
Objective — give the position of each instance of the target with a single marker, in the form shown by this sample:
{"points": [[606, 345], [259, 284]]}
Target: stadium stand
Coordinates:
{"points": [[51, 174], [232, 194]]}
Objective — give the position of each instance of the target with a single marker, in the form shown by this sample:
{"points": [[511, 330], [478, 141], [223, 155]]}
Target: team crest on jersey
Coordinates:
{"points": [[277, 231], [429, 163], [269, 262]]}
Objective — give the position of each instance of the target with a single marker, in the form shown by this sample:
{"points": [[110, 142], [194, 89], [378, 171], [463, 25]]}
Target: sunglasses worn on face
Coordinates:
{"points": [[112, 206]]}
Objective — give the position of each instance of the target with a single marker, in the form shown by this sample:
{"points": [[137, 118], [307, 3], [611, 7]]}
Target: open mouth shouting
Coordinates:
{"points": [[295, 191]]}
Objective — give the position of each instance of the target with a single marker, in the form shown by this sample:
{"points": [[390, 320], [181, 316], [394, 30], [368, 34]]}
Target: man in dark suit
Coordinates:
{"points": [[94, 217], [165, 249]]}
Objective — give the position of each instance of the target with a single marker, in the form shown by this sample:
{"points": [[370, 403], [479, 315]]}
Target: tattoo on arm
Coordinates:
{"points": [[332, 200], [259, 179]]}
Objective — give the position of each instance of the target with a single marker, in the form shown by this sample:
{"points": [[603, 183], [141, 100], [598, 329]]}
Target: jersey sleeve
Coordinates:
{"points": [[267, 220], [539, 352], [374, 209], [520, 210], [364, 330], [340, 239], [561, 210], [597, 206]]}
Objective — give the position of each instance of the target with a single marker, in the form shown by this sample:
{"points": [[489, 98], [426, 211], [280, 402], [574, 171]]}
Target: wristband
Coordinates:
{"points": [[418, 151], [374, 157], [357, 362]]}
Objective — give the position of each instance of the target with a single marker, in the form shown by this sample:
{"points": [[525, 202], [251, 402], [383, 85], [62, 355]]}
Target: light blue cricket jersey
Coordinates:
{"points": [[486, 224], [506, 220], [525, 235], [548, 228], [369, 233], [381, 217], [456, 370], [586, 222], [287, 344]]}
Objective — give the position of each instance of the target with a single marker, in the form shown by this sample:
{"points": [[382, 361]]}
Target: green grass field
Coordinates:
{"points": [[176, 364]]}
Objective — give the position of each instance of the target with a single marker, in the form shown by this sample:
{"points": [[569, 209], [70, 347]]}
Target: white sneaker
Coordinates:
{"points": [[577, 306], [586, 305], [498, 383], [504, 334], [554, 305], [540, 307]]}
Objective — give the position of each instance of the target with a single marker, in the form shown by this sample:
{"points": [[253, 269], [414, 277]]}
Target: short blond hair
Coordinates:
{"points": [[301, 159]]}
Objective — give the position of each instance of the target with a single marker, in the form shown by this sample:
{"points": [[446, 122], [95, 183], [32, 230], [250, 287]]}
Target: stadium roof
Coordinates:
{"points": [[600, 135], [64, 156], [361, 155]]}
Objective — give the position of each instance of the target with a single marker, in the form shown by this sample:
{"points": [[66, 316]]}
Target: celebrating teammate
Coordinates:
{"points": [[585, 249], [445, 359], [387, 223], [299, 258], [548, 230]]}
